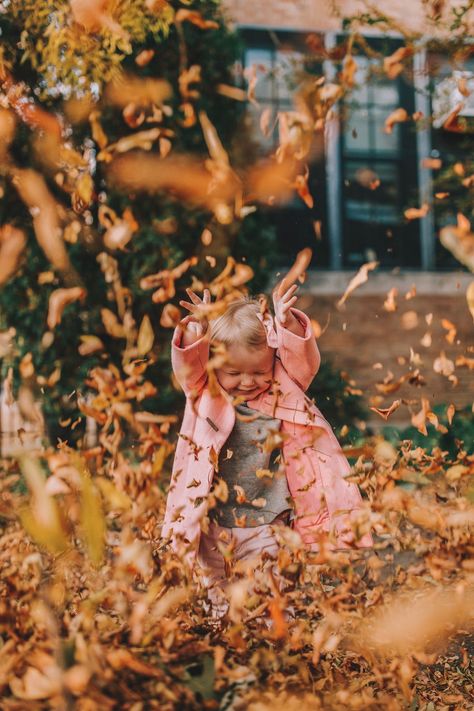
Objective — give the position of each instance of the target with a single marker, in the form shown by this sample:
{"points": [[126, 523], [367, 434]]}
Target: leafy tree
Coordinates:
{"points": [[65, 66]]}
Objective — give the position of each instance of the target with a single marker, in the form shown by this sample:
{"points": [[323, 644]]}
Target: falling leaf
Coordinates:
{"points": [[12, 244], [41, 518], [93, 526], [59, 299], [301, 263], [450, 411], [146, 336], [195, 18], [386, 412], [95, 16], [265, 118], [470, 298], [397, 116], [431, 163], [33, 191], [112, 324], [349, 69], [392, 64], [390, 303], [414, 213], [360, 278], [206, 237], [443, 365], [144, 57], [170, 316]]}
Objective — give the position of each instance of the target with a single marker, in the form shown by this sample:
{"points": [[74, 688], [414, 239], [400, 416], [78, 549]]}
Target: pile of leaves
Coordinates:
{"points": [[96, 614]]}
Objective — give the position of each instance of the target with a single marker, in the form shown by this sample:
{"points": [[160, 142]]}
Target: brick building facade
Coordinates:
{"points": [[356, 224]]}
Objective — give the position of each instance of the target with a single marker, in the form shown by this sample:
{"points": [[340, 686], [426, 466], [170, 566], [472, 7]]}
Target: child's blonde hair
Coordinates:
{"points": [[240, 324]]}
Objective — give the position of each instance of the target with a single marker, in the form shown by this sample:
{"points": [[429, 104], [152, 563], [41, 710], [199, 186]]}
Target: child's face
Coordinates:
{"points": [[248, 371]]}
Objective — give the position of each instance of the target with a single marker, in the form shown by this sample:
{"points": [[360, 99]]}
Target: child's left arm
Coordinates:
{"points": [[297, 346]]}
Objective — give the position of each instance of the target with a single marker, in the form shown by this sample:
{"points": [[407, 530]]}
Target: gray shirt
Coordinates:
{"points": [[255, 498]]}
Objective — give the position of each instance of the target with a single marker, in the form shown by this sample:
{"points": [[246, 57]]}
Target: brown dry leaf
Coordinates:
{"points": [[141, 139], [296, 272], [459, 240], [443, 365], [146, 336], [144, 57], [269, 181], [89, 345], [95, 16], [98, 133], [133, 115], [392, 64], [144, 92], [397, 116], [301, 186], [26, 109], [409, 320], [170, 316], [431, 163], [195, 18], [36, 684], [450, 411], [390, 303], [59, 299], [470, 298], [112, 324], [415, 213], [206, 237], [419, 419], [349, 69], [191, 75], [12, 244], [450, 328], [265, 119], [232, 92], [183, 175], [34, 192], [360, 278], [386, 412], [411, 624]]}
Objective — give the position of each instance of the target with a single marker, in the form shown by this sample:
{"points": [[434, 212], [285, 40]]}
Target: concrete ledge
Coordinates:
{"points": [[379, 282]]}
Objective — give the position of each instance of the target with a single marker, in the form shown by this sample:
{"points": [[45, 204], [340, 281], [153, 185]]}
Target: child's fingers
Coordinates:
{"points": [[287, 305], [194, 297], [207, 296], [188, 306], [288, 294]]}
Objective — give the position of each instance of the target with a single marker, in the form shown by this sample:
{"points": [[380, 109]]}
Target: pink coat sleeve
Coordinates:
{"points": [[299, 355], [189, 363]]}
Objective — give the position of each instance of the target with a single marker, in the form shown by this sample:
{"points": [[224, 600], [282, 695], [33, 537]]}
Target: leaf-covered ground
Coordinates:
{"points": [[123, 624]]}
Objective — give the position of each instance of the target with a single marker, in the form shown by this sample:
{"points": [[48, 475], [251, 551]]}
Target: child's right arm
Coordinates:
{"points": [[190, 346]]}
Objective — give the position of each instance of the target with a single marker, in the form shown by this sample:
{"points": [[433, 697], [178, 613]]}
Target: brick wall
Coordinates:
{"points": [[311, 15], [363, 333]]}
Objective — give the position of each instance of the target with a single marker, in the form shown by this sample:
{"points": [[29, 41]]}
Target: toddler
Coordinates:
{"points": [[254, 452]]}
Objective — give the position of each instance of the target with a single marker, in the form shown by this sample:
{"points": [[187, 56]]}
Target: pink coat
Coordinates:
{"points": [[314, 462]]}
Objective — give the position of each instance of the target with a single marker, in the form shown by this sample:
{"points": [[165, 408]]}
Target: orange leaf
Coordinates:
{"points": [[58, 301], [397, 116]]}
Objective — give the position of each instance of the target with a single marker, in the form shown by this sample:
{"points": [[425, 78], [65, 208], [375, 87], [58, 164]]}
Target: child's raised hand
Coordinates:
{"points": [[283, 302], [196, 323]]}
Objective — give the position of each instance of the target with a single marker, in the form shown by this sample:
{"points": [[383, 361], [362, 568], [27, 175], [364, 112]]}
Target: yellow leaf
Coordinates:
{"points": [[93, 525], [146, 337], [115, 498], [41, 519]]}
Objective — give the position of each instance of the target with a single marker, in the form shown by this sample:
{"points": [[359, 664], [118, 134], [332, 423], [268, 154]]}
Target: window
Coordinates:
{"points": [[277, 59], [378, 171]]}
